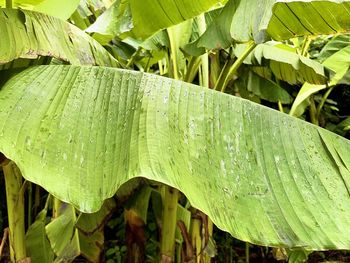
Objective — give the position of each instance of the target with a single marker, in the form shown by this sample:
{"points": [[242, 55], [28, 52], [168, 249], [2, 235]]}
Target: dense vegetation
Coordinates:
{"points": [[174, 131]]}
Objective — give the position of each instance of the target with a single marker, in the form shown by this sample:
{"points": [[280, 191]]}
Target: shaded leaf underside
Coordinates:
{"points": [[289, 66], [27, 34], [261, 175], [150, 16], [307, 17], [260, 20]]}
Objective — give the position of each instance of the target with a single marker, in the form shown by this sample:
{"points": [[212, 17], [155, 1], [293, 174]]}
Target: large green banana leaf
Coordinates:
{"points": [[285, 19], [151, 15], [286, 64], [27, 34], [22, 3], [113, 22], [337, 43], [263, 88], [243, 20], [62, 9], [261, 175], [338, 61], [308, 17], [146, 17]]}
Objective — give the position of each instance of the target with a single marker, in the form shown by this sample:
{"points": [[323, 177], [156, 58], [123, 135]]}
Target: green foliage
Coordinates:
{"points": [[149, 101], [84, 132], [41, 35]]}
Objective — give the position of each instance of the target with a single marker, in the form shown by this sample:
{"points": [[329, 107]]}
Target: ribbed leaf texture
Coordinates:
{"points": [[28, 34], [263, 176]]}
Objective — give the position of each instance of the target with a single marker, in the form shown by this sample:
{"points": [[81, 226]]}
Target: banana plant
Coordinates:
{"points": [[261, 175]]}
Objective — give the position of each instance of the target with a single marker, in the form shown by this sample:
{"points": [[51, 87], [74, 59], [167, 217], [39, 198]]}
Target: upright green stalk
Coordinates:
{"points": [[192, 69], [324, 98], [233, 70], [306, 45], [30, 204], [215, 69], [247, 252], [222, 76], [195, 230], [204, 70], [56, 209], [133, 57], [8, 3], [167, 240], [173, 50], [313, 111], [15, 210]]}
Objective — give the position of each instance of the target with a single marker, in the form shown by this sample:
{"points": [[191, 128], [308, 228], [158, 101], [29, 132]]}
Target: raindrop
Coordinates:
{"points": [[82, 159], [223, 167], [166, 99], [28, 141], [43, 154], [70, 138]]}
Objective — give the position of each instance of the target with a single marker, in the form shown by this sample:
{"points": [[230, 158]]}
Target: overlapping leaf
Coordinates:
{"points": [[338, 62], [287, 65], [141, 19], [165, 13], [277, 19], [62, 9], [26, 34], [263, 88], [307, 17], [334, 45], [264, 176]]}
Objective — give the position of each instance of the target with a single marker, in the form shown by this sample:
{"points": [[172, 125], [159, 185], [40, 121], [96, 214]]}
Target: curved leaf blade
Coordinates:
{"points": [[260, 20], [266, 89], [311, 17], [27, 34], [302, 100], [338, 62], [92, 129], [62, 9], [288, 66], [115, 21], [164, 14], [337, 43], [36, 238]]}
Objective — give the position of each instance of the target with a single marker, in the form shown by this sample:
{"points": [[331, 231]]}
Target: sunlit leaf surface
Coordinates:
{"points": [[263, 176]]}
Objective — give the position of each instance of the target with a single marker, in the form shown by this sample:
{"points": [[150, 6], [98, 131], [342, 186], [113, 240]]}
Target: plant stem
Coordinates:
{"points": [[280, 106], [15, 210], [220, 81], [195, 230], [30, 204], [306, 45], [192, 69], [233, 70], [8, 3], [169, 218], [324, 98], [36, 200], [56, 207], [204, 72], [160, 66], [210, 228], [173, 50], [313, 112], [3, 240], [132, 59], [214, 69], [247, 252]]}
